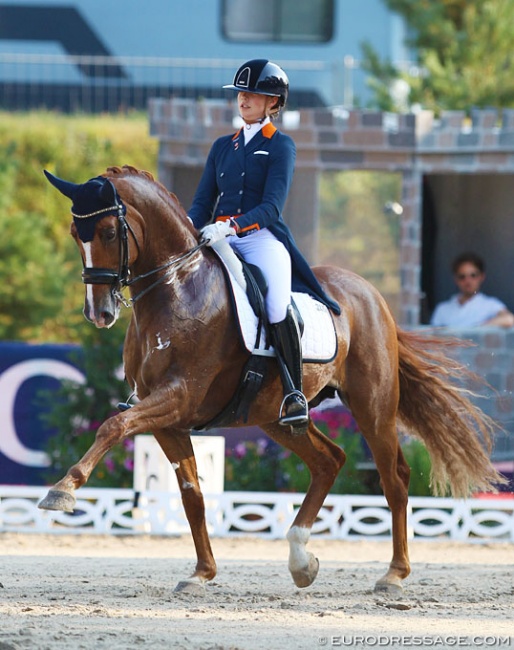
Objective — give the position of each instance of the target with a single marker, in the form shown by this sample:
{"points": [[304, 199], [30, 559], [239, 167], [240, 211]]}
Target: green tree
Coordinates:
{"points": [[356, 232], [464, 55]]}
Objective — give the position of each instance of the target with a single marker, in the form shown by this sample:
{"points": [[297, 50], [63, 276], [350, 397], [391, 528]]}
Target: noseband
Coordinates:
{"points": [[121, 278]]}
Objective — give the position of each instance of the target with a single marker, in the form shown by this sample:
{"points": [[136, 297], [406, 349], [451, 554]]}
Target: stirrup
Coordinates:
{"points": [[300, 416]]}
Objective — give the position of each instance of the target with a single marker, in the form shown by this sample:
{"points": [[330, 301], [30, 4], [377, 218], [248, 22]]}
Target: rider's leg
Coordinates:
{"points": [[265, 251], [286, 338]]}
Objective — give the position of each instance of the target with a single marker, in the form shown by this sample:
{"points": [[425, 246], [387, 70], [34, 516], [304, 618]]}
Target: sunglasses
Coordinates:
{"points": [[463, 276]]}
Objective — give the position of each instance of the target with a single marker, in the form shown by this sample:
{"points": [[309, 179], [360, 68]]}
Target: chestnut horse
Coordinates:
{"points": [[183, 360]]}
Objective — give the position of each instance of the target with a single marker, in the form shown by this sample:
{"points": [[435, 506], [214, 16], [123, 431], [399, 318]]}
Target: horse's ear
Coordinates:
{"points": [[65, 187], [108, 192]]}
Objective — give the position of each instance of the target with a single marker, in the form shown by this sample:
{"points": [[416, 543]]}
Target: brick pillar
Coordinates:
{"points": [[302, 211], [410, 248]]}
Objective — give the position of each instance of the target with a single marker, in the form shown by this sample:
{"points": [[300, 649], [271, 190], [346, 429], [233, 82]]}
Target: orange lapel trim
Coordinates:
{"points": [[268, 130]]}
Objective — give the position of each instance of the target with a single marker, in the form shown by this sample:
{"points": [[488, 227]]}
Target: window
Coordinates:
{"points": [[283, 21]]}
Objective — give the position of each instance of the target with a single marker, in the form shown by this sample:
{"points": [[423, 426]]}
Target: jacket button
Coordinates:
{"points": [[242, 173], [240, 191]]}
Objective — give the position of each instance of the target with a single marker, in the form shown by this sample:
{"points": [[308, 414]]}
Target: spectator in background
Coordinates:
{"points": [[470, 307]]}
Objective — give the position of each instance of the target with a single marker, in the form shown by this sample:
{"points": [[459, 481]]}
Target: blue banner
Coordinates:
{"points": [[25, 371]]}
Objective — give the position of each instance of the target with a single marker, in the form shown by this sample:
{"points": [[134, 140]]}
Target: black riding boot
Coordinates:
{"points": [[286, 338]]}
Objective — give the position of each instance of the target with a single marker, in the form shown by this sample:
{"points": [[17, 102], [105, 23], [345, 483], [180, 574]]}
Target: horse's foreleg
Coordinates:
{"points": [[179, 451], [62, 495], [324, 460], [138, 419]]}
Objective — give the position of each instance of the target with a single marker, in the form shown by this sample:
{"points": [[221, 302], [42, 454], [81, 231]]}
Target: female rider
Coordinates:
{"points": [[241, 196]]}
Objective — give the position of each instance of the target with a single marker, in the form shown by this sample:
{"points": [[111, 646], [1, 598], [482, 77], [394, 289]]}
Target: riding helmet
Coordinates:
{"points": [[261, 77]]}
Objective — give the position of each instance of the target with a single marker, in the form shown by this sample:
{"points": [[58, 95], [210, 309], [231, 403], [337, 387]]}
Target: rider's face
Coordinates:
{"points": [[253, 107]]}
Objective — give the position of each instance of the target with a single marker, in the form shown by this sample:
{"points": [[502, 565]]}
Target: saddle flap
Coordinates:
{"points": [[319, 341], [256, 288]]}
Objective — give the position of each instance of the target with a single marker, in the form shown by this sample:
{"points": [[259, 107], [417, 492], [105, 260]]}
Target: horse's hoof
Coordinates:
{"points": [[58, 500], [192, 587], [388, 589], [305, 577]]}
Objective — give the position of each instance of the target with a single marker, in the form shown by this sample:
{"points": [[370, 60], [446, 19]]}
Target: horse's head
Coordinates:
{"points": [[131, 232], [101, 232]]}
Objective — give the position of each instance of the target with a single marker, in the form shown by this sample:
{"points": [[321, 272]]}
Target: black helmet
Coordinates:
{"points": [[262, 77]]}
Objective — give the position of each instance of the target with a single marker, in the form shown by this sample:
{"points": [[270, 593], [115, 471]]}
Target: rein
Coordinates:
{"points": [[121, 278], [174, 262]]}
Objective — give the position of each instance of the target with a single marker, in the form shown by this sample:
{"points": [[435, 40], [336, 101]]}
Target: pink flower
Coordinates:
{"points": [[347, 420], [109, 464], [240, 450], [262, 445]]}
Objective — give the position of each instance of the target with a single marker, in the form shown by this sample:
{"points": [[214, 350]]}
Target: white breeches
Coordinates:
{"points": [[265, 251]]}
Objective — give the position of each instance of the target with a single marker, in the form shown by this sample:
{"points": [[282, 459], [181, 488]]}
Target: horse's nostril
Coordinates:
{"points": [[107, 317]]}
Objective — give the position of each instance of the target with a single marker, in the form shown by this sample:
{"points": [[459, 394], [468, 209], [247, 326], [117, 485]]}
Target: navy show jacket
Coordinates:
{"points": [[250, 184]]}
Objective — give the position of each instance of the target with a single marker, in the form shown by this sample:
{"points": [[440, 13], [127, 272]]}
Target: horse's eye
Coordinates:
{"points": [[109, 235]]}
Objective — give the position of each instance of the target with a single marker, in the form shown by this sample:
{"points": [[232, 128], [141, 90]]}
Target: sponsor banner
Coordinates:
{"points": [[25, 371]]}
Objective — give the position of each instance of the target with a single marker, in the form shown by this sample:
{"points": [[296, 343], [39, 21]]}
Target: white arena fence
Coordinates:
{"points": [[261, 514]]}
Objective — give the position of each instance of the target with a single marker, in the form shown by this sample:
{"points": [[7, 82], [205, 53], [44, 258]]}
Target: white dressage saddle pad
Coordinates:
{"points": [[319, 341]]}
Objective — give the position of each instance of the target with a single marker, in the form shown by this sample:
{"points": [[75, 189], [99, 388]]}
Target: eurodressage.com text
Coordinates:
{"points": [[426, 641]]}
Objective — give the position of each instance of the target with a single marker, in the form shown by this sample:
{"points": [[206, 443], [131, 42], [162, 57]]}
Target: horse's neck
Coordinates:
{"points": [[166, 235], [167, 240]]}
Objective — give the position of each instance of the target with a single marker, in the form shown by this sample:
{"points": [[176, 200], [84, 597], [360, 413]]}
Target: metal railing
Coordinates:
{"points": [[106, 83]]}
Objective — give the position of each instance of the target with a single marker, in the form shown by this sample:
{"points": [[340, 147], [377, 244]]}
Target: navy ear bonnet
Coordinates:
{"points": [[92, 201]]}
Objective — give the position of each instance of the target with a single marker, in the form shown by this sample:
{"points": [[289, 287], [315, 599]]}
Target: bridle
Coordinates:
{"points": [[120, 278]]}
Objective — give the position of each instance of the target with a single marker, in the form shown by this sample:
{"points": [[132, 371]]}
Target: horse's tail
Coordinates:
{"points": [[456, 433]]}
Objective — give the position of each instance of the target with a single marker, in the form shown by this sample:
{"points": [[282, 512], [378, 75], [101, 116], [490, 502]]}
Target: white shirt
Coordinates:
{"points": [[251, 129], [475, 311]]}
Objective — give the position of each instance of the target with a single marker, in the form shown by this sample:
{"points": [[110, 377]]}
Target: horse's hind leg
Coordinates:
{"points": [[373, 401], [179, 451], [394, 479], [324, 460]]}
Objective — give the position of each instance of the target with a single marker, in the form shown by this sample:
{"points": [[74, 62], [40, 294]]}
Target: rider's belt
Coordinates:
{"points": [[241, 232]]}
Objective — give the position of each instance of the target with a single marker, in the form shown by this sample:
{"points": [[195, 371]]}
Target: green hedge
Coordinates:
{"points": [[40, 290]]}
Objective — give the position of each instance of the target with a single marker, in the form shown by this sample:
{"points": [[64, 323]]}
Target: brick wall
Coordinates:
{"points": [[489, 353]]}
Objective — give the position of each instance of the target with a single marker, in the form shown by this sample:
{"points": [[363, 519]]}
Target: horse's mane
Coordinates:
{"points": [[129, 170]]}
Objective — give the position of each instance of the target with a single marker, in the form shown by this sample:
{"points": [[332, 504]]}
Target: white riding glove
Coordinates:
{"points": [[215, 232]]}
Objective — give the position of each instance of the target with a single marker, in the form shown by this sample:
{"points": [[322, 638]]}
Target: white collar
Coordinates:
{"points": [[250, 130]]}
